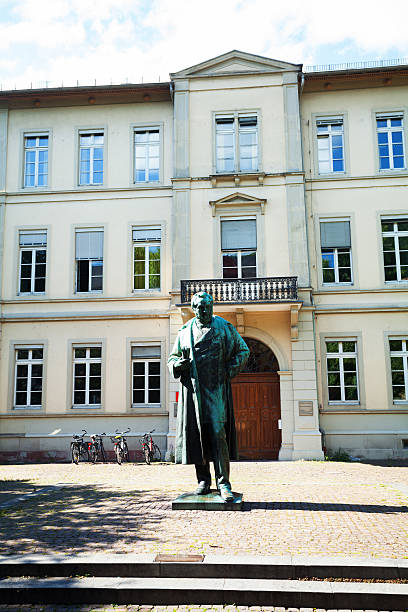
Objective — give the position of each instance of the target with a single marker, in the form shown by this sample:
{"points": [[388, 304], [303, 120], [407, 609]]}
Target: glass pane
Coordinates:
{"points": [[26, 257], [79, 397], [80, 353], [230, 260], [396, 122], [154, 367], [381, 123], [37, 353], [334, 394], [22, 354], [349, 347], [398, 162], [333, 365], [328, 276], [95, 382], [21, 384], [349, 363], [138, 368], [36, 398], [344, 259], [384, 163], [333, 379], [80, 369], [139, 253], [25, 286], [154, 281], [248, 259], [398, 393], [79, 383], [43, 141], [396, 345], [351, 394], [338, 166], [382, 138], [21, 398], [248, 272], [96, 283], [397, 363], [404, 273], [344, 275], [332, 347], [25, 271], [403, 243], [95, 369], [36, 370], [139, 268], [95, 352], [389, 258], [390, 273], [402, 226], [138, 397], [39, 285], [350, 379], [230, 273], [388, 243], [154, 397], [154, 382], [94, 397], [398, 378], [36, 384]]}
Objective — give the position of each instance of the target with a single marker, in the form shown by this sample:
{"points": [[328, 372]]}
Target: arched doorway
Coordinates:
{"points": [[256, 396]]}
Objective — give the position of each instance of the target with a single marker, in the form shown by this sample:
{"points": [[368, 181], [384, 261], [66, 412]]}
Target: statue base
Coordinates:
{"points": [[211, 501]]}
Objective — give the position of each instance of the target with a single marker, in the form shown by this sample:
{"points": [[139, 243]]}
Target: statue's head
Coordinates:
{"points": [[202, 305]]}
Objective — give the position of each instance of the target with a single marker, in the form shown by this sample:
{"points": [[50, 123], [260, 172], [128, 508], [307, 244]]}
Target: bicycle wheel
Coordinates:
{"points": [[118, 453], [156, 453], [75, 454], [84, 455], [94, 454], [147, 454], [125, 452]]}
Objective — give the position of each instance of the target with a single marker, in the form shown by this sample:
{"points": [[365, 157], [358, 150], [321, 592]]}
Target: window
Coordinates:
{"points": [[399, 368], [87, 376], [147, 155], [238, 245], [89, 260], [146, 257], [330, 147], [395, 249], [28, 377], [342, 375], [145, 374], [236, 143], [36, 160], [91, 158], [33, 261], [336, 252], [390, 142]]}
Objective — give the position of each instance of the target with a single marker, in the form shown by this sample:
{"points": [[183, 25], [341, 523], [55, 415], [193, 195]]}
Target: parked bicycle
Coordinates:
{"points": [[79, 448], [95, 448], [120, 446], [151, 451]]}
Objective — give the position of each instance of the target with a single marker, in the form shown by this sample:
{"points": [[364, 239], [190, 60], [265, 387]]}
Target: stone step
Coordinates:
{"points": [[213, 591], [203, 566]]}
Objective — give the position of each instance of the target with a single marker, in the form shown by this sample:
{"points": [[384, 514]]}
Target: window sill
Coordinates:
{"points": [[27, 408], [146, 292], [90, 186], [87, 407], [342, 404], [87, 293], [147, 183], [33, 294], [337, 285], [400, 402], [396, 283], [391, 172]]}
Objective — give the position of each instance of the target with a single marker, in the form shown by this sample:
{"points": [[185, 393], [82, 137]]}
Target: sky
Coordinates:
{"points": [[59, 42]]}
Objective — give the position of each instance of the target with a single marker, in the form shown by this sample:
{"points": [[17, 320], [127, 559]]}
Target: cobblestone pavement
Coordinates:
{"points": [[302, 507], [201, 608]]}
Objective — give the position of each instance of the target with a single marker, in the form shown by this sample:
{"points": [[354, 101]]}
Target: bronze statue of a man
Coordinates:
{"points": [[208, 352]]}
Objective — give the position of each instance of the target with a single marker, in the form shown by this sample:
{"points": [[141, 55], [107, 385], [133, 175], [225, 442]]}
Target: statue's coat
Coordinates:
{"points": [[227, 355]]}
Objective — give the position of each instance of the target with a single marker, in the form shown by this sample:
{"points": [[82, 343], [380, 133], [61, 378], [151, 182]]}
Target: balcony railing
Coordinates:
{"points": [[238, 291]]}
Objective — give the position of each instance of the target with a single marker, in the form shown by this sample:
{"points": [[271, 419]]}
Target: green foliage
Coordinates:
{"points": [[338, 455]]}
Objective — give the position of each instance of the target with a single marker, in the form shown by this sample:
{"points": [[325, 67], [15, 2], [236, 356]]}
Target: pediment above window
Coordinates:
{"points": [[237, 201], [236, 62]]}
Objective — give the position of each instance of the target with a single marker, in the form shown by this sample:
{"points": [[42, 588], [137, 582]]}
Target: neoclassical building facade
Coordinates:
{"points": [[280, 191]]}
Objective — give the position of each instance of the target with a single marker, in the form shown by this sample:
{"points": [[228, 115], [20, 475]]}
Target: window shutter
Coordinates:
{"points": [[145, 352], [146, 234], [335, 234], [33, 238], [89, 245], [238, 234]]}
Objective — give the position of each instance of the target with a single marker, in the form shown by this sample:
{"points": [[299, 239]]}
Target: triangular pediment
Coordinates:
{"points": [[236, 62], [237, 200]]}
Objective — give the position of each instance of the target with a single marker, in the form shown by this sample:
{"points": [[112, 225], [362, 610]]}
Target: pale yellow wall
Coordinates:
{"points": [[117, 119], [360, 106], [115, 214], [208, 96], [59, 336]]}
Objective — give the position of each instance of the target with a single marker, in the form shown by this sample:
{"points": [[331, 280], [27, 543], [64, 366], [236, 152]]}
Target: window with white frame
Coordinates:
{"points": [[236, 143], [91, 158], [399, 368], [147, 155], [146, 257], [35, 160], [390, 138], [145, 374], [87, 376], [28, 376], [330, 145], [32, 261], [342, 372], [238, 248], [89, 260], [395, 249], [335, 243]]}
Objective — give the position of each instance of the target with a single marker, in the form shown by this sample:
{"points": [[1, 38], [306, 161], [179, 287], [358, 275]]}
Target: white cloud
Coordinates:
{"points": [[104, 39]]}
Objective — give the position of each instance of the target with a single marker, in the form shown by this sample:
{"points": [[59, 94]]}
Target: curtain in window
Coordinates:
{"points": [[238, 234]]}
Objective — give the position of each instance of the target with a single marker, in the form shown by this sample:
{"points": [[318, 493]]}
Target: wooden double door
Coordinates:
{"points": [[256, 398]]}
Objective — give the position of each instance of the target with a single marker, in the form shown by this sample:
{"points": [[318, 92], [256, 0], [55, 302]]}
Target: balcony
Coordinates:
{"points": [[243, 291]]}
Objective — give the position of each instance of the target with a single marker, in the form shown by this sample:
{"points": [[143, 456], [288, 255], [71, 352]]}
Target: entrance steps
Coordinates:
{"points": [[329, 583]]}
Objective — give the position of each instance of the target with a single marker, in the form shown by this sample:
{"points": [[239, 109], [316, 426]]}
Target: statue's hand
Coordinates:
{"points": [[182, 365]]}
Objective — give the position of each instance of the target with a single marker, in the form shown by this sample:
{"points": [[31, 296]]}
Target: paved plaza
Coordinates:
{"points": [[296, 508]]}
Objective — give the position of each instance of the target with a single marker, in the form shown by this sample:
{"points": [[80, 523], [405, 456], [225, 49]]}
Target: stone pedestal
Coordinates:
{"points": [[211, 501]]}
